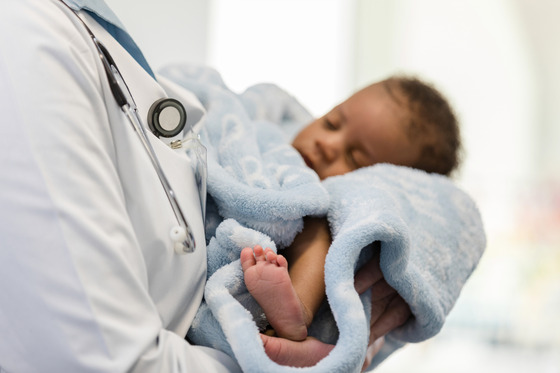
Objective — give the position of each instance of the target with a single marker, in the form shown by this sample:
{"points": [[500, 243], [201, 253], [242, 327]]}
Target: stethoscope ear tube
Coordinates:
{"points": [[110, 67]]}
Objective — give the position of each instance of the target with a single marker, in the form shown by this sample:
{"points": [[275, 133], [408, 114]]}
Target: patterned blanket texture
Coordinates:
{"points": [[259, 189]]}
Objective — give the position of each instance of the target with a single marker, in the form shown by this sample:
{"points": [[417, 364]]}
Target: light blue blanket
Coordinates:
{"points": [[431, 233]]}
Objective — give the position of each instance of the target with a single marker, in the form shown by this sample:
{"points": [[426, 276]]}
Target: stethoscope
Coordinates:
{"points": [[167, 117]]}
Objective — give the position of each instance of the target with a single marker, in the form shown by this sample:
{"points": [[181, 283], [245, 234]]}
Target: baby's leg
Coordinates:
{"points": [[267, 279]]}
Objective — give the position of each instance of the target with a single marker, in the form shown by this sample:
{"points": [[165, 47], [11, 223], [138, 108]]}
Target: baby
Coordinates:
{"points": [[401, 121]]}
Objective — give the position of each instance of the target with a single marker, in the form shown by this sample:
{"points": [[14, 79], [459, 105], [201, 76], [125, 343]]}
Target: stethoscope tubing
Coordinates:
{"points": [[189, 241]]}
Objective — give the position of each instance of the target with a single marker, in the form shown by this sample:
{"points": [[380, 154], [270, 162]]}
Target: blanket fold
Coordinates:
{"points": [[430, 232], [431, 237]]}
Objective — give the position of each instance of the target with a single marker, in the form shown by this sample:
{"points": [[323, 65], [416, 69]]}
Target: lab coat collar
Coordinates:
{"points": [[110, 22], [97, 7]]}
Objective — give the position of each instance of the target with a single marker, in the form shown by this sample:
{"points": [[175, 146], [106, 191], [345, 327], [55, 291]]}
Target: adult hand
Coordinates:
{"points": [[388, 309]]}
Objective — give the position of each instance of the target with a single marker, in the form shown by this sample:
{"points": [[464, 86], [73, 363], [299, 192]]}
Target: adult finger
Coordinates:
{"points": [[368, 275], [378, 308], [396, 313], [372, 350], [381, 289]]}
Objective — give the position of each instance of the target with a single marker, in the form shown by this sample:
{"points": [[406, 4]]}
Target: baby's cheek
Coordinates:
{"points": [[336, 171]]}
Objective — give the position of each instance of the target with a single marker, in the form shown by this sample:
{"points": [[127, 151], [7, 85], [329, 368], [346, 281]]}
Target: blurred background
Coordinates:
{"points": [[498, 63]]}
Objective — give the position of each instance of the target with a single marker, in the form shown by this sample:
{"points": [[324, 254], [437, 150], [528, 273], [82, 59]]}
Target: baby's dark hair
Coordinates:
{"points": [[432, 121]]}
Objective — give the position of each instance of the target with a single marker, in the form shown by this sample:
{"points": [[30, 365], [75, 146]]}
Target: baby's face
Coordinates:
{"points": [[368, 128]]}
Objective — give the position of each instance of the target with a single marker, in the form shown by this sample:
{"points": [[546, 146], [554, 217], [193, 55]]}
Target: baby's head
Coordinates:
{"points": [[400, 120]]}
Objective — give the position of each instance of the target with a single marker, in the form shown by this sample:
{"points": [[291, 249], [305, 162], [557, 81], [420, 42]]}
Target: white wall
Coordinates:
{"points": [[540, 22], [305, 46], [167, 31]]}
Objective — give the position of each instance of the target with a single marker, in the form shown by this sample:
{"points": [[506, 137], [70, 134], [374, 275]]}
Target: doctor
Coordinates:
{"points": [[90, 280], [93, 277]]}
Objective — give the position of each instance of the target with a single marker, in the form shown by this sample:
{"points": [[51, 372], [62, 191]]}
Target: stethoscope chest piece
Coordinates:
{"points": [[167, 117]]}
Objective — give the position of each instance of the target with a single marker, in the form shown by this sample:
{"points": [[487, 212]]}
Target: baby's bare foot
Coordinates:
{"points": [[268, 281]]}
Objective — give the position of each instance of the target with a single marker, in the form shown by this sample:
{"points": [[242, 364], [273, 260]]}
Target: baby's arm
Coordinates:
{"points": [[307, 256]]}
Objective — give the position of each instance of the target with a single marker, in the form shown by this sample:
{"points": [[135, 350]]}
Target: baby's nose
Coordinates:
{"points": [[330, 147]]}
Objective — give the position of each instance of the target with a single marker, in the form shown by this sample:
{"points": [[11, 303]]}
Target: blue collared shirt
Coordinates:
{"points": [[110, 22]]}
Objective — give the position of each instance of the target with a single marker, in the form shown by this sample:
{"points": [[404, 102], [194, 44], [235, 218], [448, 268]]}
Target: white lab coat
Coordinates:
{"points": [[89, 281]]}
